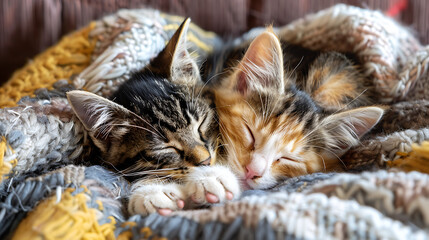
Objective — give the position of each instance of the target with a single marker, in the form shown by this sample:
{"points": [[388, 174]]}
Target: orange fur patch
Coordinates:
{"points": [[334, 89]]}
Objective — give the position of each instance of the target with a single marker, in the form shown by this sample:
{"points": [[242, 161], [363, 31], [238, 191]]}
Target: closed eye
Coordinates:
{"points": [[287, 159], [250, 137], [177, 150], [170, 148], [200, 132], [202, 138]]}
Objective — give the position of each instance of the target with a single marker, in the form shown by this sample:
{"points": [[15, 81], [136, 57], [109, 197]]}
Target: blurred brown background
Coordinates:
{"points": [[27, 27]]}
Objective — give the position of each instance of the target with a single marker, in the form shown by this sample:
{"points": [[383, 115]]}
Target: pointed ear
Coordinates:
{"points": [[104, 119], [346, 128], [174, 61], [262, 65]]}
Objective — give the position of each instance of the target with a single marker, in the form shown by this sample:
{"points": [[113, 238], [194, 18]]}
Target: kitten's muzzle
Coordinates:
{"points": [[199, 156]]}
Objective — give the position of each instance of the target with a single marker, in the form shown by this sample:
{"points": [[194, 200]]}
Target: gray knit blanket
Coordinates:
{"points": [[43, 194]]}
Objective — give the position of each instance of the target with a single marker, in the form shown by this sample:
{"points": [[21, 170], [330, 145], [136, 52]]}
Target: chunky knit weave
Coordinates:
{"points": [[42, 194], [70, 56]]}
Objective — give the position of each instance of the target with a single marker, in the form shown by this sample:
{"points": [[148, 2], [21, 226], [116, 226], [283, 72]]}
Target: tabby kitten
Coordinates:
{"points": [[286, 111], [160, 130]]}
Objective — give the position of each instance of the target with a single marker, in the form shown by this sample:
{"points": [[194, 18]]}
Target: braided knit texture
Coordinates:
{"points": [[70, 56], [44, 193]]}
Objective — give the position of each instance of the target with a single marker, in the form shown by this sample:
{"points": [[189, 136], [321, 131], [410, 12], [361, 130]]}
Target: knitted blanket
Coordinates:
{"points": [[44, 195]]}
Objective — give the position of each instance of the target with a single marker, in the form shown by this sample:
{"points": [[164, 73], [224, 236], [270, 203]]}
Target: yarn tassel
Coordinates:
{"points": [[416, 160], [71, 218], [5, 166]]}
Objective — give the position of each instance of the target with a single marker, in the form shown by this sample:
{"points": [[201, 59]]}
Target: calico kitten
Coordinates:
{"points": [[161, 131], [286, 111]]}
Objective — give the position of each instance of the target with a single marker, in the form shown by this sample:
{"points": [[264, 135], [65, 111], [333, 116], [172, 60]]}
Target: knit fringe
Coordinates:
{"points": [[415, 160]]}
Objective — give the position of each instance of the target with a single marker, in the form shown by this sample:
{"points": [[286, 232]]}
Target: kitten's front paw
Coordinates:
{"points": [[212, 184], [161, 198]]}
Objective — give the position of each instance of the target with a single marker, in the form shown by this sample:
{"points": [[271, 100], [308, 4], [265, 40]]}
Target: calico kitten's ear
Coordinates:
{"points": [[174, 62], [346, 128], [103, 118], [262, 65]]}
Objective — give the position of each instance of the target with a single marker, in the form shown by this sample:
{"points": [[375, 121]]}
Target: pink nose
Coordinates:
{"points": [[251, 173]]}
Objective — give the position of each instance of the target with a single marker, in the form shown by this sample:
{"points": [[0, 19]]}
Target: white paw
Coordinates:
{"points": [[212, 184], [162, 198]]}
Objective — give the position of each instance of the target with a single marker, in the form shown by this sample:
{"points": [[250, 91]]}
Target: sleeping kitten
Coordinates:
{"points": [[286, 111], [160, 130]]}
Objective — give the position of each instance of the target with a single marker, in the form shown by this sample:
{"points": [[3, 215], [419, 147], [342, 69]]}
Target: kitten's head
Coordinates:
{"points": [[157, 119], [271, 130]]}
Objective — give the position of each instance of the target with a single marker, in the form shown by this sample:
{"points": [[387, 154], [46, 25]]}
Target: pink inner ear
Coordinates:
{"points": [[343, 146], [242, 83], [361, 129]]}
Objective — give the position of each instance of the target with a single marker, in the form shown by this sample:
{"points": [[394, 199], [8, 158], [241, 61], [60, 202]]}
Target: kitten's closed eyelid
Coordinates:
{"points": [[167, 148], [171, 145], [178, 150], [287, 159], [200, 132], [202, 138], [252, 137]]}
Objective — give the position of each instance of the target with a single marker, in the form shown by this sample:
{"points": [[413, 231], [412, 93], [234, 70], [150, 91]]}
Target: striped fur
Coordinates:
{"points": [[156, 120], [286, 111], [160, 130]]}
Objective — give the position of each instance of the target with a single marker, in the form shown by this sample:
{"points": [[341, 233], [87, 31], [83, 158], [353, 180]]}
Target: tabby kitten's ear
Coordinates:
{"points": [[174, 61], [346, 128], [105, 120], [261, 66]]}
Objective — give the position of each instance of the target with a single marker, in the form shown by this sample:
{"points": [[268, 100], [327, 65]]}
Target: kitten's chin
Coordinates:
{"points": [[245, 185], [248, 184]]}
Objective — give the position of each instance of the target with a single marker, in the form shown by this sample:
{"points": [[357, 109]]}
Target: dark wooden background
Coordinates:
{"points": [[27, 27]]}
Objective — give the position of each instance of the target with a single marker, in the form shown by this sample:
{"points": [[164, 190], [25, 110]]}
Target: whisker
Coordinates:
{"points": [[235, 158], [206, 82], [336, 156], [323, 161], [159, 134], [135, 126], [296, 67], [253, 110], [351, 101]]}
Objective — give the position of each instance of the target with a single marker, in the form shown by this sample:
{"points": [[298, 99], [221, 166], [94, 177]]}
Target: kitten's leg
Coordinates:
{"points": [[212, 184], [149, 197]]}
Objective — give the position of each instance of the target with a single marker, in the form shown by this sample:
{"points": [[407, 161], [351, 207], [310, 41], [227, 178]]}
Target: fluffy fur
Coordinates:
{"points": [[160, 131], [286, 111]]}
